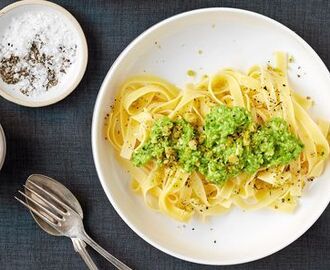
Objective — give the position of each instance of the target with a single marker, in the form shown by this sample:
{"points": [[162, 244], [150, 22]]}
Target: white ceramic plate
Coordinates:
{"points": [[2, 147], [206, 40]]}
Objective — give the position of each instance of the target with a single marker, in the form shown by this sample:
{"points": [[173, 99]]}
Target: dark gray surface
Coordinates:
{"points": [[56, 141]]}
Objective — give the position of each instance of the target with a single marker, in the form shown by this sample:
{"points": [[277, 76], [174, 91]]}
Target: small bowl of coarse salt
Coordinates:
{"points": [[2, 147], [43, 53]]}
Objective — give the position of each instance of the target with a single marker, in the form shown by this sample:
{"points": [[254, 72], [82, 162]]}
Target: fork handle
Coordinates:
{"points": [[80, 247], [117, 263]]}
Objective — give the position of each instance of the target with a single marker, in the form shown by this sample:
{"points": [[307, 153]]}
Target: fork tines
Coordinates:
{"points": [[43, 203]]}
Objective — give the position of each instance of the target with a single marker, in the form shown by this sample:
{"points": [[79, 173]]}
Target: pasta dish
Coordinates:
{"points": [[232, 139]]}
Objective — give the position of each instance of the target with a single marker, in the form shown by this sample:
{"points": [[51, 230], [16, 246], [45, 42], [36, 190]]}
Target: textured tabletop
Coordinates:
{"points": [[56, 141]]}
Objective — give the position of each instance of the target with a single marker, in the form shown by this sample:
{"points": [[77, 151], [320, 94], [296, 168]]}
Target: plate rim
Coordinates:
{"points": [[4, 147], [95, 123]]}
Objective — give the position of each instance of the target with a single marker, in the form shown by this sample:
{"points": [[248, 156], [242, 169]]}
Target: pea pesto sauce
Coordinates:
{"points": [[229, 144]]}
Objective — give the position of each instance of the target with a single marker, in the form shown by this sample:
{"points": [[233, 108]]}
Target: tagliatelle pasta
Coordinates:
{"points": [[265, 93]]}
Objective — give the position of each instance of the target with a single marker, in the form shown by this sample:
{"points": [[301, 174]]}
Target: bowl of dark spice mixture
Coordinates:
{"points": [[43, 53]]}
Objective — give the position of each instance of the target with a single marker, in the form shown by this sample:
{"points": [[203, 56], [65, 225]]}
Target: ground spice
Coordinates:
{"points": [[37, 50]]}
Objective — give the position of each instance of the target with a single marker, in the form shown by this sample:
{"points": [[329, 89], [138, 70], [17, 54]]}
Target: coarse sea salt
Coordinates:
{"points": [[37, 50]]}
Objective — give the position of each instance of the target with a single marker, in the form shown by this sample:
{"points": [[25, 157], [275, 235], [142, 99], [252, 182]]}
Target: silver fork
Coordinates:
{"points": [[62, 218]]}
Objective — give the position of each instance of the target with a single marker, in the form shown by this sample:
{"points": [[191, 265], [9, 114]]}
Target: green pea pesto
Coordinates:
{"points": [[229, 144], [158, 145]]}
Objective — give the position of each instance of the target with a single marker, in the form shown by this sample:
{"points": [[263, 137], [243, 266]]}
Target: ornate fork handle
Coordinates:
{"points": [[80, 247], [117, 263]]}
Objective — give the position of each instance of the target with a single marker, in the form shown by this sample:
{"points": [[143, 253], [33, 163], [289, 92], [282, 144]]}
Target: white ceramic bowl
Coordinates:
{"points": [[206, 40], [75, 73], [2, 147]]}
